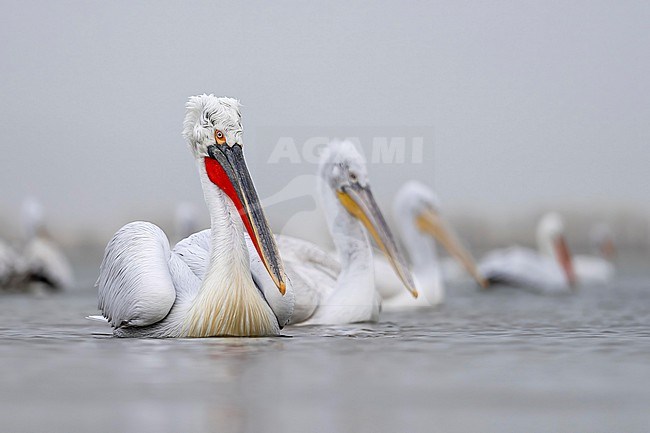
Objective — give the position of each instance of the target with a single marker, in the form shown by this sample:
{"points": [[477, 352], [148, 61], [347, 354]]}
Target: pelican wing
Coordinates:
{"points": [[135, 282], [194, 250], [319, 260], [312, 272]]}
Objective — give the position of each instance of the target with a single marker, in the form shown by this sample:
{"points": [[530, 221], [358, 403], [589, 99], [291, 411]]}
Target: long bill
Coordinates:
{"points": [[432, 223], [360, 203], [227, 169], [563, 255]]}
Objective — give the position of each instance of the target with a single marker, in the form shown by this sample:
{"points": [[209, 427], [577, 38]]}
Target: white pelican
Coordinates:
{"points": [[201, 289], [548, 270], [597, 268], [327, 292], [417, 211], [46, 265]]}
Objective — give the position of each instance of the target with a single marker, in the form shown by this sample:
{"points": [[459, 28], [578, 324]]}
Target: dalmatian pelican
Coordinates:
{"points": [[548, 270], [421, 223], [201, 288], [46, 266], [344, 291]]}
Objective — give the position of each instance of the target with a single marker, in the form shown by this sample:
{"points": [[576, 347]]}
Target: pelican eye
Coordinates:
{"points": [[353, 177], [219, 137]]}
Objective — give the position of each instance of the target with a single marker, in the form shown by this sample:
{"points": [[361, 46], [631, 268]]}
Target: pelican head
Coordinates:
{"points": [[209, 121], [213, 130], [421, 206], [551, 242], [343, 169]]}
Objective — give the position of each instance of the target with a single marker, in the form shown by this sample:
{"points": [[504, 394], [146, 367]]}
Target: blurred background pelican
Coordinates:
{"points": [[46, 266], [419, 220], [549, 269]]}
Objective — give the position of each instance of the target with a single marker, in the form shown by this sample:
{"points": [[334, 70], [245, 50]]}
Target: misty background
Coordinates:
{"points": [[522, 106]]}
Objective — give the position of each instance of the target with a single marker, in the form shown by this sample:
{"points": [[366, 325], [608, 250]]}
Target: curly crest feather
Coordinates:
{"points": [[205, 113]]}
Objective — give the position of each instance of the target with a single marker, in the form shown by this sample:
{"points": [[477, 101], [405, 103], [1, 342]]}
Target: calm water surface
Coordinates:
{"points": [[503, 361]]}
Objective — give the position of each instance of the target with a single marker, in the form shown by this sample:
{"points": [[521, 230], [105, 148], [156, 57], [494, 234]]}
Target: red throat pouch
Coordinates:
{"points": [[218, 176]]}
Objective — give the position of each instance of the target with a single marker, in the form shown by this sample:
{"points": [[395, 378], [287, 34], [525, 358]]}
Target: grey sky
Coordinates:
{"points": [[528, 102]]}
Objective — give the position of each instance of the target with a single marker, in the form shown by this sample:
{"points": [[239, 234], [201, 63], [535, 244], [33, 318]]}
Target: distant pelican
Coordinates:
{"points": [[548, 270], [417, 212], [148, 290], [46, 265], [331, 292], [597, 268]]}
